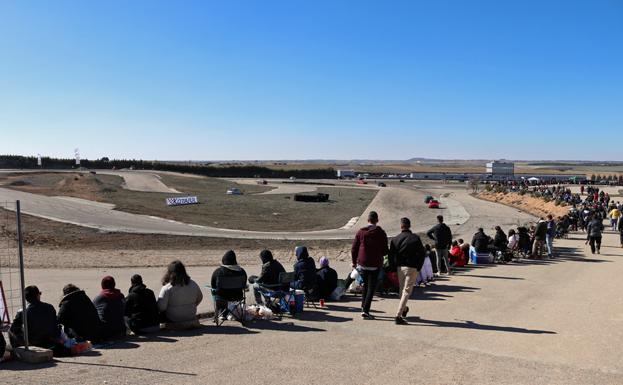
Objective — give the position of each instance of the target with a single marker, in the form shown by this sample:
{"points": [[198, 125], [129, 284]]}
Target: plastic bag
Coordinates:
{"points": [[337, 294]]}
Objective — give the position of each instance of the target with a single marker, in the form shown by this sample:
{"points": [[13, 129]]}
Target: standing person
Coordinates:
{"points": [[594, 229], [620, 229], [614, 215], [141, 307], [368, 250], [550, 234], [110, 307], [408, 252], [442, 236], [540, 232]]}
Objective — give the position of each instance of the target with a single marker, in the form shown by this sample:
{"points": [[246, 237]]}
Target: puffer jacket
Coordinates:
{"points": [[595, 227]]}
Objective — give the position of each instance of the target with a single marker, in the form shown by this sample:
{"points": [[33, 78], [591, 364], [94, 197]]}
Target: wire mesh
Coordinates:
{"points": [[10, 286]]}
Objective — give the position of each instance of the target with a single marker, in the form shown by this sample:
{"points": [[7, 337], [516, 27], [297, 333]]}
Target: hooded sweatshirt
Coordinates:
{"points": [[141, 307], [111, 309], [228, 268], [270, 269], [304, 270]]}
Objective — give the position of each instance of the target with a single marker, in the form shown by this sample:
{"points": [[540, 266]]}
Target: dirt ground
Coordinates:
{"points": [[50, 244], [535, 206], [249, 211]]}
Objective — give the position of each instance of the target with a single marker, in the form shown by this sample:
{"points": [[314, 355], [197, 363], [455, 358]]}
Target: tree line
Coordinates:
{"points": [[238, 171]]}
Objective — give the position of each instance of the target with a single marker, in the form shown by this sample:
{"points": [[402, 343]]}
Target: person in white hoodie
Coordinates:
{"points": [[180, 295]]}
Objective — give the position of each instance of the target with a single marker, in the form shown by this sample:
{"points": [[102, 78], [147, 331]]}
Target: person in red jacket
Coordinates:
{"points": [[457, 256], [369, 248]]}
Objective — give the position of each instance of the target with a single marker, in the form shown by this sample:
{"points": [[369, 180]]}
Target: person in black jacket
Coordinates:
{"points": [[409, 253], [304, 271], [500, 241], [481, 241], [228, 268], [110, 307], [2, 346], [326, 278], [141, 308], [43, 330], [78, 315], [271, 268], [442, 235]]}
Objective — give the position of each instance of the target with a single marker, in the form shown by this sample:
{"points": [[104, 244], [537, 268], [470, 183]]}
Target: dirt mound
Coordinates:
{"points": [[535, 206]]}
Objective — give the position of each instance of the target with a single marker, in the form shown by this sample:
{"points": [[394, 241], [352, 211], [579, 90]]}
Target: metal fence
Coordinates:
{"points": [[11, 266]]}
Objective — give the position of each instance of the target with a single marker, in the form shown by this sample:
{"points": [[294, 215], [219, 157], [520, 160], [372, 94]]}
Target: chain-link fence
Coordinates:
{"points": [[11, 264]]}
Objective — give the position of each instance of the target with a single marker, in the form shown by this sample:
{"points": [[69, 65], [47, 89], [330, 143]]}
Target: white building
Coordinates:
{"points": [[345, 173], [498, 168]]}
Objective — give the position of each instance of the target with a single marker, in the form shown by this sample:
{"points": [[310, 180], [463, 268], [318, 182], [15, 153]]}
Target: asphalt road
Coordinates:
{"points": [[535, 322]]}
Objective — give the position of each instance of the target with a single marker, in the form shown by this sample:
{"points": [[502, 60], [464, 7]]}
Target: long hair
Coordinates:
{"points": [[176, 274]]}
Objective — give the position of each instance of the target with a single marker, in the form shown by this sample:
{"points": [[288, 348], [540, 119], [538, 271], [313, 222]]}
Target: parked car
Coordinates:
{"points": [[381, 184], [433, 204], [234, 191], [361, 181]]}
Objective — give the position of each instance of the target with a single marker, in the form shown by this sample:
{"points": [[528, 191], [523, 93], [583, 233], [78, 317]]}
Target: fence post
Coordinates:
{"points": [[21, 270]]}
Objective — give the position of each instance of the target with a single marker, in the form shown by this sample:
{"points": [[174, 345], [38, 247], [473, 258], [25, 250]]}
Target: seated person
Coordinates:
{"points": [[179, 296], [43, 330], [141, 308], [326, 278], [465, 247], [457, 258], [110, 308], [304, 271], [228, 268], [481, 241], [500, 240], [78, 315], [271, 268], [513, 240]]}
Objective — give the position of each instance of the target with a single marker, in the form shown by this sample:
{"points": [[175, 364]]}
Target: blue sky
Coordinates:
{"points": [[312, 79]]}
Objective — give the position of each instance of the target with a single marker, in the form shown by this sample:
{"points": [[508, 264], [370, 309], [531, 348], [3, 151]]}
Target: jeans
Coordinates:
{"points": [[549, 241], [370, 279], [537, 248], [407, 276], [595, 243], [442, 254]]}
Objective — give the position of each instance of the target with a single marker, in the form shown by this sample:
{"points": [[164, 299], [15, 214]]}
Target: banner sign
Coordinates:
{"points": [[182, 201]]}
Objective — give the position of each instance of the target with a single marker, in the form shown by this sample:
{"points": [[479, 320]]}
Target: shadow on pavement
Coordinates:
{"points": [[288, 326], [490, 277], [474, 325], [15, 365], [127, 367]]}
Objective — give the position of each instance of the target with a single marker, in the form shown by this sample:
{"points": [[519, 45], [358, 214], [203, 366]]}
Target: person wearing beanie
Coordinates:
{"points": [[271, 268], [43, 330], [141, 308], [229, 268], [110, 307], [78, 315], [304, 272], [327, 279], [178, 298], [367, 252]]}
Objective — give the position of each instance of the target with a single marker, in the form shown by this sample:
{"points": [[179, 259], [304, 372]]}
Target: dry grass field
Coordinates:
{"points": [[242, 212]]}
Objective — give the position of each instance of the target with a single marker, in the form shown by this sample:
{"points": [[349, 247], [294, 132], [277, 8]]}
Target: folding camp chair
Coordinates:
{"points": [[275, 295], [238, 311]]}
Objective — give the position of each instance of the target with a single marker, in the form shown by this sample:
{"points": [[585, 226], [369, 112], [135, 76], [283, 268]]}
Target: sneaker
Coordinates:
{"points": [[365, 315], [400, 321], [405, 311]]}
